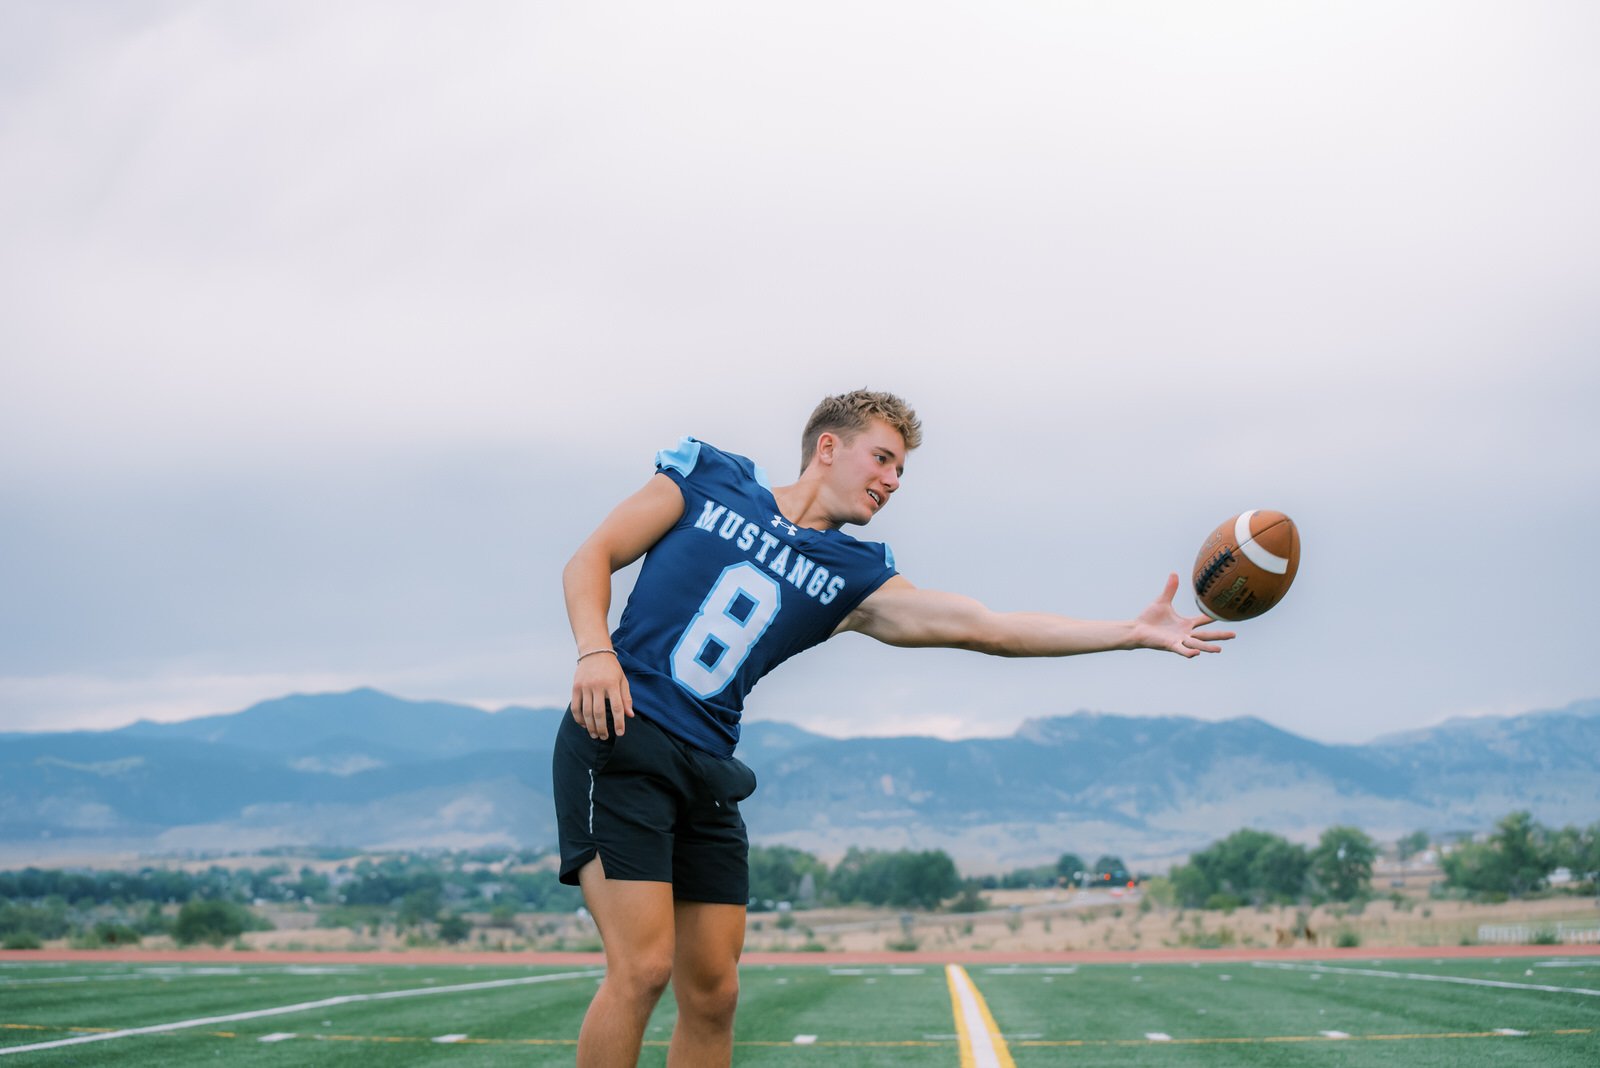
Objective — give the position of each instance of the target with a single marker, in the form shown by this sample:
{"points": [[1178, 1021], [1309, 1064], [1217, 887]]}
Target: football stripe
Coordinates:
{"points": [[1263, 558]]}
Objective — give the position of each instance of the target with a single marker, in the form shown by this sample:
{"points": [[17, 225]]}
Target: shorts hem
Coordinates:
{"points": [[569, 871], [705, 898]]}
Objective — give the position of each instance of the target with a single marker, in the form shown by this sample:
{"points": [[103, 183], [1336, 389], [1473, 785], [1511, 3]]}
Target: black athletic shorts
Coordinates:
{"points": [[654, 808]]}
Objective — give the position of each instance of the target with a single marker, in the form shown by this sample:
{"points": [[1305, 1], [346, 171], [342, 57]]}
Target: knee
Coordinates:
{"points": [[644, 976], [711, 1001]]}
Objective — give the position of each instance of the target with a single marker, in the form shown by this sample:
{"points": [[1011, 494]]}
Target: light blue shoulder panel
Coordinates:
{"points": [[681, 457]]}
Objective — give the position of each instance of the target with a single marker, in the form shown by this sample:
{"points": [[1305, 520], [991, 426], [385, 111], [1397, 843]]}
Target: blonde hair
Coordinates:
{"points": [[847, 414]]}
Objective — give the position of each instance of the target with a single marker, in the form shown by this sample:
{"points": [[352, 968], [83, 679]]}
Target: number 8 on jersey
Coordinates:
{"points": [[741, 605]]}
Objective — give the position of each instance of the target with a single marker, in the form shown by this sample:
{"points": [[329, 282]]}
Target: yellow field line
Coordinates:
{"points": [[981, 1043], [1269, 1039]]}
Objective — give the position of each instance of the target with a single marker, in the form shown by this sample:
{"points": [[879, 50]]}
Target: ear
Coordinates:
{"points": [[827, 443]]}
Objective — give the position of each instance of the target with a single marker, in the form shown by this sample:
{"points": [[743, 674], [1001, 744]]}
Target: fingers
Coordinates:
{"points": [[613, 706], [588, 708], [1171, 589], [585, 710], [601, 700], [625, 703], [1201, 641]]}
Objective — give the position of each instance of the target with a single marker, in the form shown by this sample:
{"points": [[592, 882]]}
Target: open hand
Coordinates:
{"points": [[1161, 627]]}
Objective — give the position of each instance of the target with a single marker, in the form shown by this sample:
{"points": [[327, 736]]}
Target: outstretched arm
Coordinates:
{"points": [[899, 613], [622, 537]]}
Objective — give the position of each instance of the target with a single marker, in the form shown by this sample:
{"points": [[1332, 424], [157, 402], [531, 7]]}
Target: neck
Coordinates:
{"points": [[801, 504]]}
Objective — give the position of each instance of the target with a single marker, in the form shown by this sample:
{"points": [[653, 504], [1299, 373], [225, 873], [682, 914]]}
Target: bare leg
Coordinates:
{"points": [[705, 980], [636, 925]]}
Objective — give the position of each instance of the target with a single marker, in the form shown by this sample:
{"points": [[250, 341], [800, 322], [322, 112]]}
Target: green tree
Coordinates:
{"points": [[420, 906], [1247, 866], [970, 900], [503, 913], [454, 928], [903, 879], [1412, 844], [1190, 886], [1475, 867], [1110, 870], [1278, 870], [1524, 855], [1514, 860], [213, 922], [1068, 865], [777, 873], [1577, 849], [313, 885], [1027, 878], [1342, 862]]}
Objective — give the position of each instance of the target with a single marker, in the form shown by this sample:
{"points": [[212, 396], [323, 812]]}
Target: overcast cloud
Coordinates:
{"points": [[331, 329]]}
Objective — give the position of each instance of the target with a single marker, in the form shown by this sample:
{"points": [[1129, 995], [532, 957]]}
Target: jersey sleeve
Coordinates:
{"points": [[678, 462], [882, 570]]}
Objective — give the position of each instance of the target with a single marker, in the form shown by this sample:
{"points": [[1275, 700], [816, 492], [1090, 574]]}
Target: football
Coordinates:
{"points": [[1246, 565]]}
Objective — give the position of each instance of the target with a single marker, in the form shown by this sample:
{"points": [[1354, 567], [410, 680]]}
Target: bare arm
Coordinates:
{"points": [[898, 613], [621, 538]]}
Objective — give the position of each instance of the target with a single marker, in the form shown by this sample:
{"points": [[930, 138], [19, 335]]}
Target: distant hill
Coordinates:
{"points": [[366, 768]]}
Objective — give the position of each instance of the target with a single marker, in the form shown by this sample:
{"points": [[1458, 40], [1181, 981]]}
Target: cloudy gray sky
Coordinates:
{"points": [[329, 330]]}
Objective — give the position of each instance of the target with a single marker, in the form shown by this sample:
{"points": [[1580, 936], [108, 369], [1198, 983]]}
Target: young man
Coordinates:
{"points": [[737, 577]]}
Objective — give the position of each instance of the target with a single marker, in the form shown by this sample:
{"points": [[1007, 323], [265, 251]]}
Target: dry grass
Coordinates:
{"points": [[1032, 920]]}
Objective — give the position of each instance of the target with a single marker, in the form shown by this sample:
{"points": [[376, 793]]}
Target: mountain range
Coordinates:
{"points": [[372, 770]]}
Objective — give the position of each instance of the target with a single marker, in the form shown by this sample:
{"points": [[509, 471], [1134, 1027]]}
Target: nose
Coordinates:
{"points": [[891, 481]]}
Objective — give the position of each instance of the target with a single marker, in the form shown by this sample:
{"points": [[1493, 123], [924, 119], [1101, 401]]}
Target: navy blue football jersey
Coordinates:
{"points": [[729, 593]]}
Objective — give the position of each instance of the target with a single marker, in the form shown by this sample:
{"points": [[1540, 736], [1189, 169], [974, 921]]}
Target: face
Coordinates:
{"points": [[863, 471]]}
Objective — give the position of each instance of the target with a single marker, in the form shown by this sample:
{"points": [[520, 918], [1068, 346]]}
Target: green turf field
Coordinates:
{"points": [[1501, 1013]]}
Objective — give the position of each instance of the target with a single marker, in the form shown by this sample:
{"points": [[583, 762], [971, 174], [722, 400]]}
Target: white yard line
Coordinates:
{"points": [[1316, 969], [981, 1043], [69, 979], [283, 1010]]}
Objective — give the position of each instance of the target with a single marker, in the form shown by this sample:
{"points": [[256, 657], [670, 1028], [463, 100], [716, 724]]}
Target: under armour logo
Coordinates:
{"points": [[779, 521]]}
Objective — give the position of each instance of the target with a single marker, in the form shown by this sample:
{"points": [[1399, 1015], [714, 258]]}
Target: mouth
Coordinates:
{"points": [[877, 498]]}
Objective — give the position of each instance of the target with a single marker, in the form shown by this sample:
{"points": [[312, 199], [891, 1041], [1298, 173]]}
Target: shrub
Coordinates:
{"points": [[42, 921], [1221, 938], [355, 917], [1347, 939], [214, 922], [108, 934], [454, 928], [969, 900]]}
